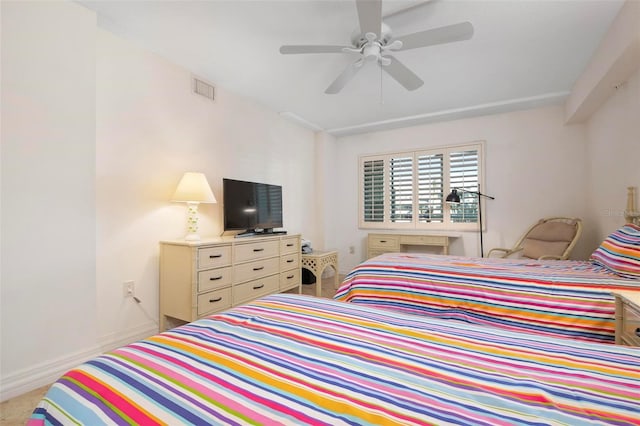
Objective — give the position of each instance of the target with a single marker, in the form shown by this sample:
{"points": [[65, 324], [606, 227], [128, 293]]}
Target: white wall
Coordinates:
{"points": [[48, 207], [607, 98], [326, 186], [615, 60], [96, 135], [150, 130], [534, 167], [613, 158]]}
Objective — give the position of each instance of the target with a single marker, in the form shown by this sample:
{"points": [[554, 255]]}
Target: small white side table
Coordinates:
{"points": [[316, 262], [627, 317]]}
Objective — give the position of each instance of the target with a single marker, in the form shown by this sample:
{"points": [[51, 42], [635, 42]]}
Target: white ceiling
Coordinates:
{"points": [[522, 54]]}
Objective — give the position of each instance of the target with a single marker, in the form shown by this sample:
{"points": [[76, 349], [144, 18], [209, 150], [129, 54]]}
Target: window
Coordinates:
{"points": [[401, 189], [373, 187], [407, 189]]}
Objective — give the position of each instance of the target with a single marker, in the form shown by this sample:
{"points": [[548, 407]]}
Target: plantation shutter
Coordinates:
{"points": [[401, 189], [430, 188], [406, 190], [463, 174], [373, 191]]}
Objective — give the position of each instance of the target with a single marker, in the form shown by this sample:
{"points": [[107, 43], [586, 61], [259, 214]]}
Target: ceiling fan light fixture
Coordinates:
{"points": [[371, 51], [351, 50], [394, 45]]}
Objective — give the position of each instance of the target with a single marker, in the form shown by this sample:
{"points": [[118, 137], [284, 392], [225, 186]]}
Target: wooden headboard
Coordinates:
{"points": [[631, 214]]}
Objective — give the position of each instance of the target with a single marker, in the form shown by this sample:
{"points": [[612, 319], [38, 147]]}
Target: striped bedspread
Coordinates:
{"points": [[290, 359], [550, 297]]}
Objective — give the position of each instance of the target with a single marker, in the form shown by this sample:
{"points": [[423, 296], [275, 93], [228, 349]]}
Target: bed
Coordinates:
{"points": [[548, 297], [291, 359], [560, 298]]}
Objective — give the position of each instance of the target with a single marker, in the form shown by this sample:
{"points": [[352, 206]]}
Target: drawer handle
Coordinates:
{"points": [[217, 299], [215, 256], [215, 278], [383, 241], [290, 245], [638, 331], [290, 261], [290, 276], [257, 287], [260, 249], [258, 269]]}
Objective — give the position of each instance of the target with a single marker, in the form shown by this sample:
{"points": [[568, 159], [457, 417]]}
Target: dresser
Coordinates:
{"points": [[378, 244], [199, 278]]}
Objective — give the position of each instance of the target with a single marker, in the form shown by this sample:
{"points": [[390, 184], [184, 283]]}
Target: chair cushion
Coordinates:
{"points": [[553, 231], [620, 252], [534, 249], [548, 239]]}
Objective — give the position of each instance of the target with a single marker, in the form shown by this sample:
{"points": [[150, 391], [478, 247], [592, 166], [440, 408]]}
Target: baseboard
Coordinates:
{"points": [[115, 340], [47, 372], [42, 374]]}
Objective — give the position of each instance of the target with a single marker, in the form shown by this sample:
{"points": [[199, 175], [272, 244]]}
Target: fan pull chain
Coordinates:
{"points": [[381, 76]]}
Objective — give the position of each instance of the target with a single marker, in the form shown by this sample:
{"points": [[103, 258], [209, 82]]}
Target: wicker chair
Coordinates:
{"points": [[550, 238]]}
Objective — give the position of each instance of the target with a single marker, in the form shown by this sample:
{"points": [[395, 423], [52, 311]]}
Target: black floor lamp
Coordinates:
{"points": [[455, 198]]}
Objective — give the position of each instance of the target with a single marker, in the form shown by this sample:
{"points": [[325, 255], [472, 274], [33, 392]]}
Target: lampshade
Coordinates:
{"points": [[193, 187], [453, 197]]}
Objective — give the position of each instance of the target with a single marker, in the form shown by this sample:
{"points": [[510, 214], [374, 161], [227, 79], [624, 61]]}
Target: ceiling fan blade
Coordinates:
{"points": [[403, 75], [295, 49], [370, 16], [447, 34], [406, 9], [344, 77]]}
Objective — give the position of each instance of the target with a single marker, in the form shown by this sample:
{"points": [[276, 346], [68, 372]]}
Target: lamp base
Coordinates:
{"points": [[192, 237], [192, 222]]}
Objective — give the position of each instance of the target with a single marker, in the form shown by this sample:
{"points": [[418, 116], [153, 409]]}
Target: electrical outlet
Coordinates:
{"points": [[352, 249], [128, 289]]}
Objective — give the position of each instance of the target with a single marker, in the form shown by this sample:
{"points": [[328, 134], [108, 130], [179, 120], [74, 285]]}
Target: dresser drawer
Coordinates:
{"points": [[257, 269], [214, 301], [257, 250], [289, 279], [290, 261], [422, 240], [630, 332], [289, 245], [389, 243], [214, 278], [212, 257], [256, 288]]}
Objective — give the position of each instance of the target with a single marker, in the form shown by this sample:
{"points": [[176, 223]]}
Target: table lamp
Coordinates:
{"points": [[193, 189]]}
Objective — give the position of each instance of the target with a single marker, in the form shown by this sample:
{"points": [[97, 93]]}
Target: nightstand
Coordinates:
{"points": [[627, 317], [316, 261]]}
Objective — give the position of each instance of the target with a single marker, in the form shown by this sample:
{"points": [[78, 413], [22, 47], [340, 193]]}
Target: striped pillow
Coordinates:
{"points": [[620, 252]]}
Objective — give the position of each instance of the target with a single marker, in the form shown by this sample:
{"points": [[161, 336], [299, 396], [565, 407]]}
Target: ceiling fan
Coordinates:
{"points": [[374, 42]]}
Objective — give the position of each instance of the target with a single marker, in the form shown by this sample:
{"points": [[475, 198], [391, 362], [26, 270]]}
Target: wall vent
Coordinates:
{"points": [[202, 88]]}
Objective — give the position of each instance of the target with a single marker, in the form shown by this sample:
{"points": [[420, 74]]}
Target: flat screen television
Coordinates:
{"points": [[255, 208]]}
